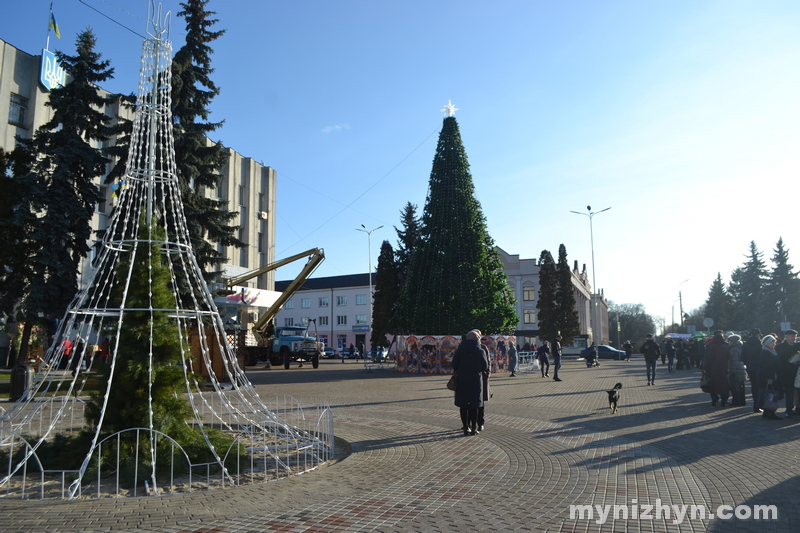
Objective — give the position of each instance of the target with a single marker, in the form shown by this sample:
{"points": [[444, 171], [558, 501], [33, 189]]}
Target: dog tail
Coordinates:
{"points": [[618, 386]]}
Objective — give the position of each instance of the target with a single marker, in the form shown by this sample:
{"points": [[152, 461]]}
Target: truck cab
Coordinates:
{"points": [[292, 343]]}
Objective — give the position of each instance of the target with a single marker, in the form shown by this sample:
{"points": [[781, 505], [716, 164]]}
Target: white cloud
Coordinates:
{"points": [[335, 128]]}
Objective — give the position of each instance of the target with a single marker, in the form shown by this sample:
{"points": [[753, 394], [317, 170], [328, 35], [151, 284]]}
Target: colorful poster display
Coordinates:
{"points": [[432, 354]]}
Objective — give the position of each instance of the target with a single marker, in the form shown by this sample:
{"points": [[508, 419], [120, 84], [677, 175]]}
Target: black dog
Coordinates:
{"points": [[613, 397]]}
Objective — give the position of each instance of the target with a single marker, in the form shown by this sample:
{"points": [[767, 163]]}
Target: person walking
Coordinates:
{"points": [[512, 359], [769, 365], [751, 354], [628, 347], [555, 351], [487, 393], [716, 366], [651, 351], [670, 350], [788, 371], [736, 373], [544, 361], [470, 364]]}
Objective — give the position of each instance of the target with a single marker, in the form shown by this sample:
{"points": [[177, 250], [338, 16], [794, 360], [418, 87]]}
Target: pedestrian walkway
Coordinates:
{"points": [[546, 446]]}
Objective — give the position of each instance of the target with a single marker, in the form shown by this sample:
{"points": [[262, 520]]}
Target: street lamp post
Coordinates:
{"points": [[680, 298], [591, 215], [364, 229]]}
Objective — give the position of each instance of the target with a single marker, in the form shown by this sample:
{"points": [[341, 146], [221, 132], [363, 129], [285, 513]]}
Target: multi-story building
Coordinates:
{"points": [[339, 304], [523, 277], [249, 187]]}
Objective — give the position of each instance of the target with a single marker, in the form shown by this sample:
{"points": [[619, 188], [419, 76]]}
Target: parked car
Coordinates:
{"points": [[605, 352], [330, 352]]}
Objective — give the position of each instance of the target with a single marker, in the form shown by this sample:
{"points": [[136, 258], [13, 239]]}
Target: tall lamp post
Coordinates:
{"points": [[591, 215], [364, 229], [680, 298]]}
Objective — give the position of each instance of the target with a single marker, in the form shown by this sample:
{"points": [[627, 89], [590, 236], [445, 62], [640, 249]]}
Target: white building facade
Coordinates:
{"points": [[523, 277], [340, 306]]}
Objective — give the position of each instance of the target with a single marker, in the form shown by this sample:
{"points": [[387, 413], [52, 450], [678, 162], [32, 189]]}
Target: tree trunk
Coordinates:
{"points": [[23, 345]]}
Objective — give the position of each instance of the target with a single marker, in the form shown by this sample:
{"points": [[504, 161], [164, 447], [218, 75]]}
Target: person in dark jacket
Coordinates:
{"points": [[670, 349], [512, 359], [628, 347], [544, 361], [469, 363], [555, 351], [651, 351], [768, 367], [736, 373], [751, 352], [715, 366], [786, 351]]}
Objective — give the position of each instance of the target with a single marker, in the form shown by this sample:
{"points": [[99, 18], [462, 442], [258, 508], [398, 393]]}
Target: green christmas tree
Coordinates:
{"points": [[455, 280], [145, 333]]}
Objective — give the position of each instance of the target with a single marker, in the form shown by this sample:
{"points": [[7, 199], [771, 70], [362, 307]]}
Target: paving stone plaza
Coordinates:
{"points": [[404, 464]]}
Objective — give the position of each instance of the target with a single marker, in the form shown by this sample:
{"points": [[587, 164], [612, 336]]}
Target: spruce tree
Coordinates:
{"points": [[146, 332], [567, 316], [546, 306], [718, 304], [199, 164], [753, 280], [60, 186], [455, 281], [406, 239], [782, 289], [739, 315], [387, 291]]}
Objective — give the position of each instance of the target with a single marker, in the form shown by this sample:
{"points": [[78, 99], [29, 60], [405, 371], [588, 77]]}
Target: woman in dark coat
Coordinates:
{"points": [[469, 364], [715, 366], [768, 367]]}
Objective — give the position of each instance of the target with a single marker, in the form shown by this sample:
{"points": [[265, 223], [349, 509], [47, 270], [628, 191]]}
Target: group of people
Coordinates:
{"points": [[771, 367]]}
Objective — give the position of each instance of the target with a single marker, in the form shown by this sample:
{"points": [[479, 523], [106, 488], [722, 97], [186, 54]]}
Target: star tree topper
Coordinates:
{"points": [[450, 109]]}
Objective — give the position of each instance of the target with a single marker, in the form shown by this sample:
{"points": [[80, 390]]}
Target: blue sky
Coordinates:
{"points": [[682, 116]]}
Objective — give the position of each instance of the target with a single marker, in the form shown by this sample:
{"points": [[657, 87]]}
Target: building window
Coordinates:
{"points": [[361, 319], [323, 339], [341, 300], [323, 321], [243, 257], [289, 305], [304, 321], [528, 294], [361, 299], [17, 111], [305, 303], [529, 316], [341, 320], [288, 321], [324, 301], [341, 341]]}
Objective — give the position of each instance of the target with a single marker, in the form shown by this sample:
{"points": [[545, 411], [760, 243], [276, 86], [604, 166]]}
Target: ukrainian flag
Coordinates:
{"points": [[53, 24]]}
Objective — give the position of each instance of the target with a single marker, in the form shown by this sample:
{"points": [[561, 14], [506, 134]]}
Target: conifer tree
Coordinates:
{"points": [[718, 304], [387, 291], [546, 305], [567, 316], [199, 164], [783, 289], [751, 297], [59, 188], [406, 239], [455, 281], [146, 332]]}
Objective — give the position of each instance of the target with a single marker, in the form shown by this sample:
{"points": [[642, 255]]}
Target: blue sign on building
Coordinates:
{"points": [[52, 75]]}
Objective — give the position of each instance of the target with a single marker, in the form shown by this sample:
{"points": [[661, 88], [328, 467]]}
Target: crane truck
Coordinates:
{"points": [[288, 343]]}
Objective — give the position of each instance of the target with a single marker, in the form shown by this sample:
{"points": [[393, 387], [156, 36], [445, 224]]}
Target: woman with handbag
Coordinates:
{"points": [[469, 365], [768, 366]]}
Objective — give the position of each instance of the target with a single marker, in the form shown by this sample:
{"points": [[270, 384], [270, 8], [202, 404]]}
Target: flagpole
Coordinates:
{"points": [[49, 18]]}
